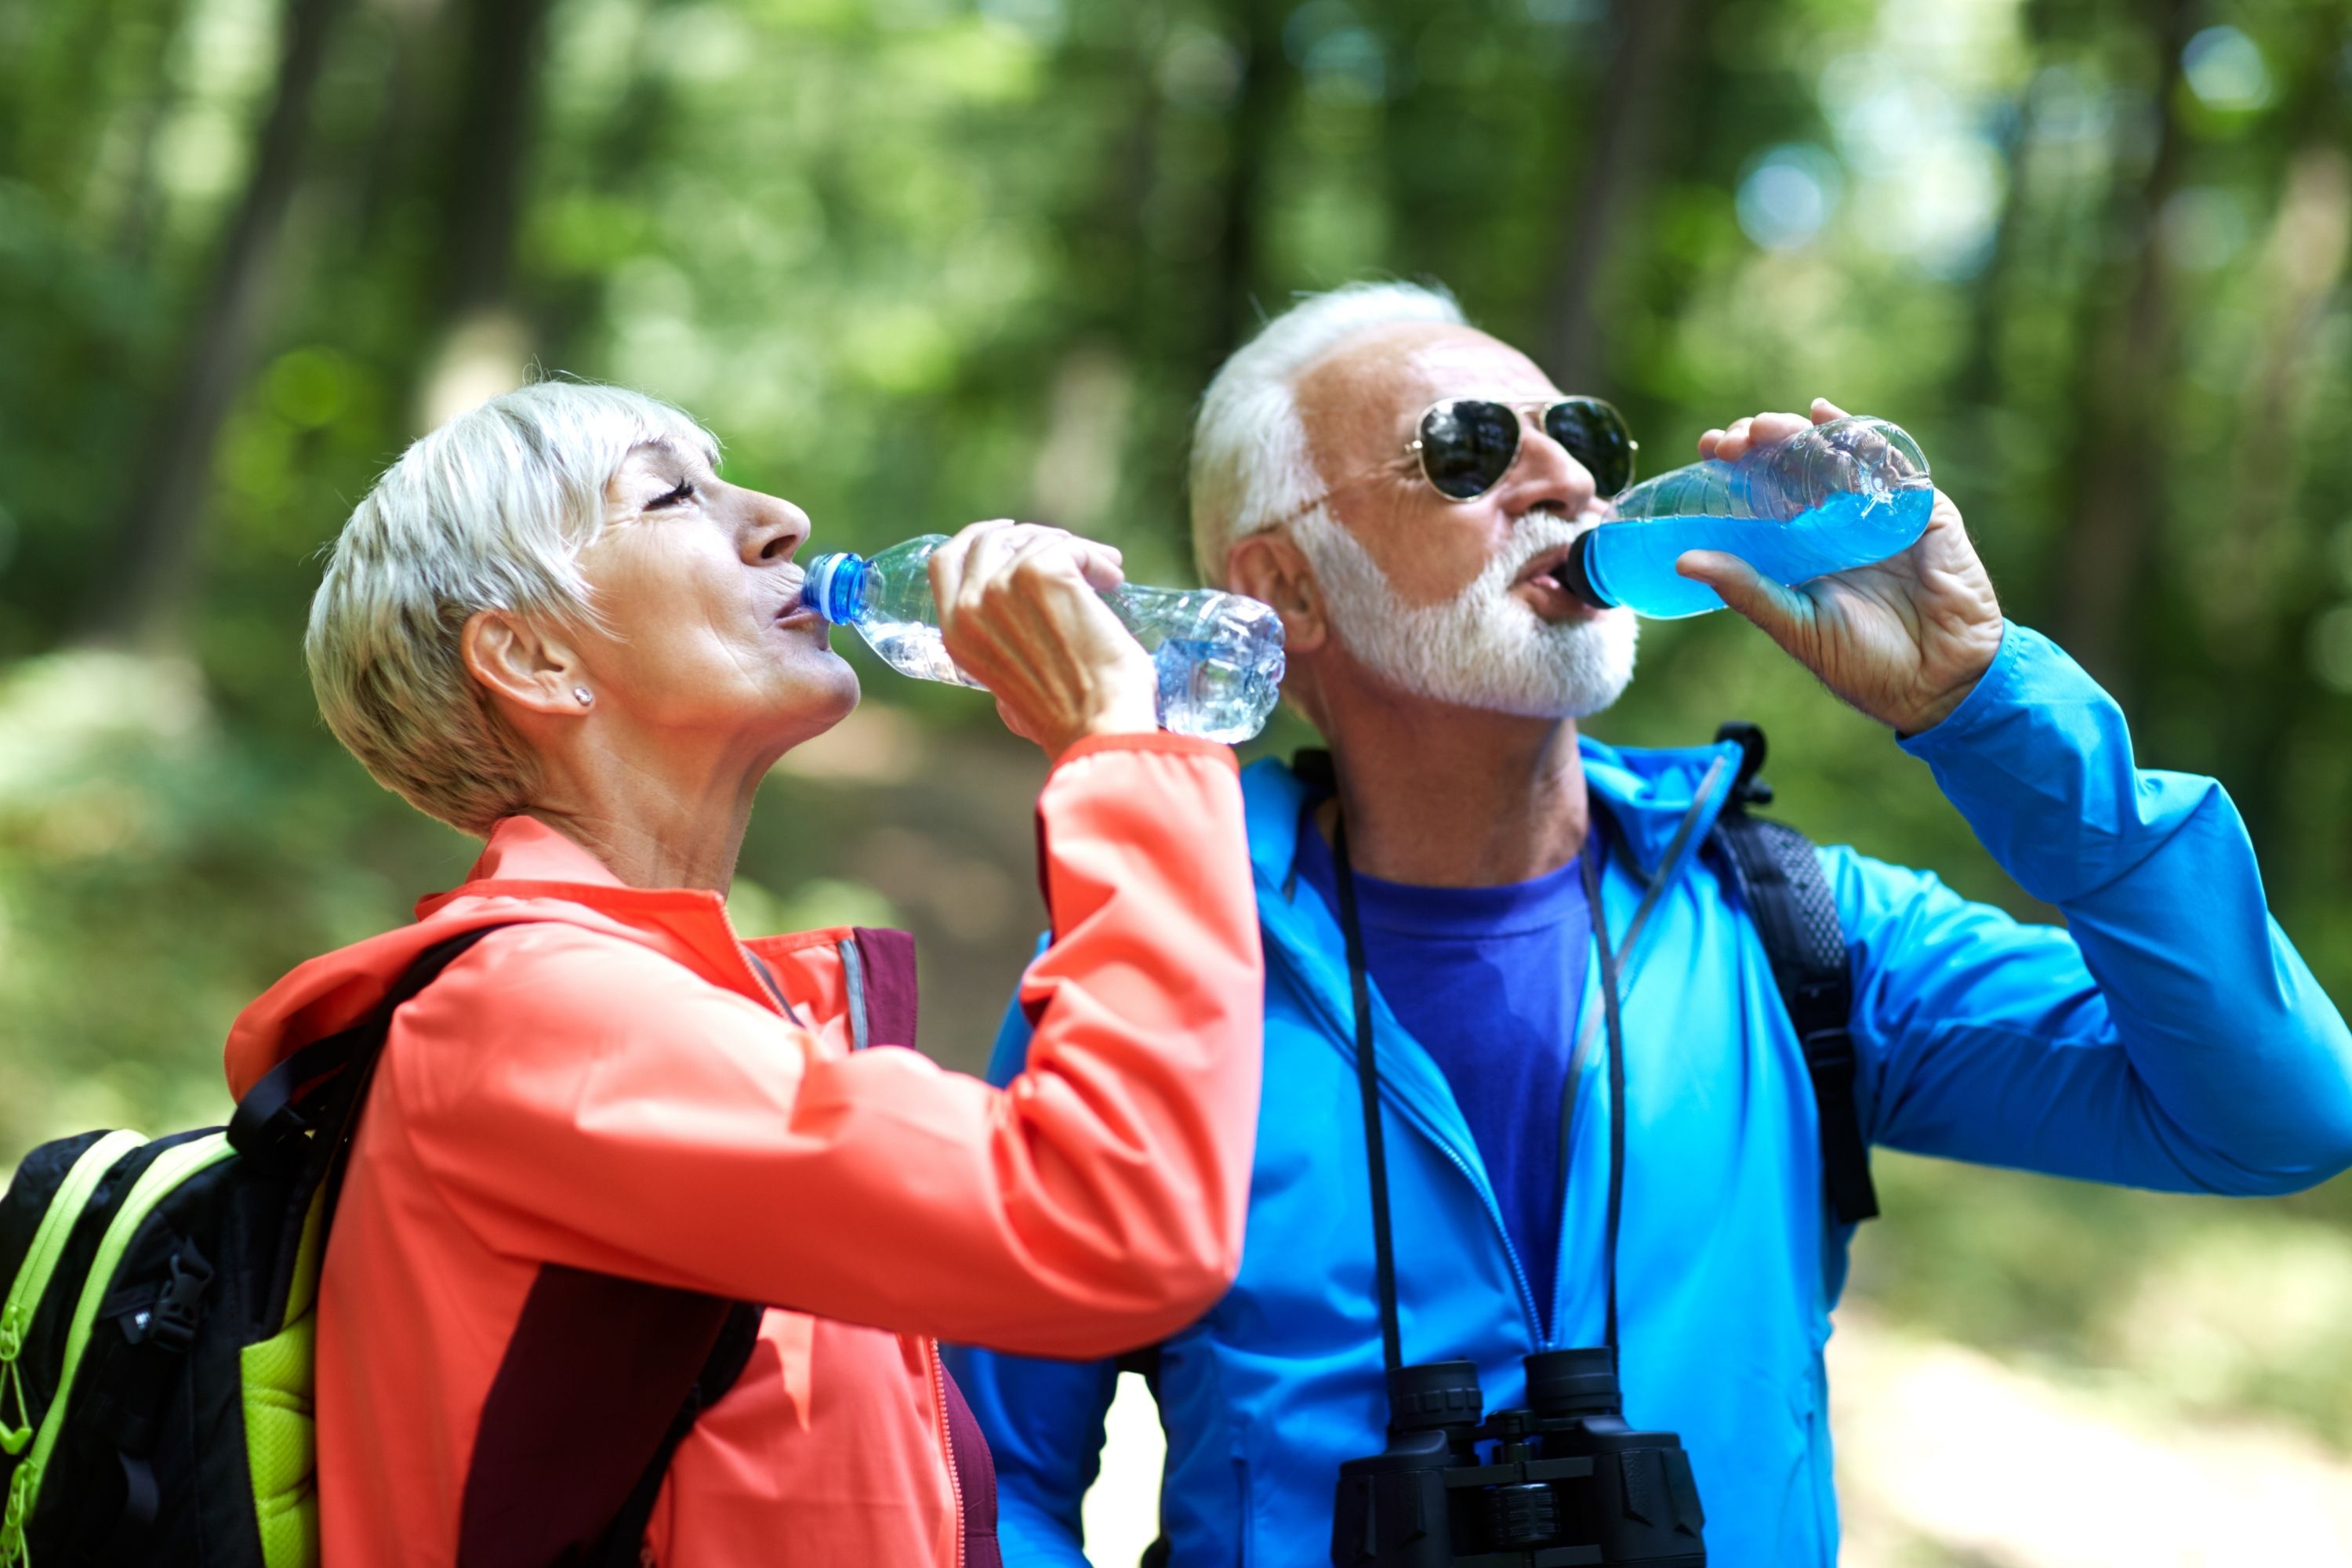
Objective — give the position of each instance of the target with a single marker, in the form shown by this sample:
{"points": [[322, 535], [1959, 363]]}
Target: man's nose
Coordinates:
{"points": [[772, 529], [1547, 471]]}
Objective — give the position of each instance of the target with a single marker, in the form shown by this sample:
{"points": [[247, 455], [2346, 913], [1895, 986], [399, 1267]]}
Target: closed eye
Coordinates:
{"points": [[679, 497]]}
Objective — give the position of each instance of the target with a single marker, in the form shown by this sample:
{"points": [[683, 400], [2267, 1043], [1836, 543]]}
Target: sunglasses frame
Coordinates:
{"points": [[1415, 447]]}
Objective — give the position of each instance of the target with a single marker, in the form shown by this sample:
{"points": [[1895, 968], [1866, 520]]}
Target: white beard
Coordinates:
{"points": [[1483, 648]]}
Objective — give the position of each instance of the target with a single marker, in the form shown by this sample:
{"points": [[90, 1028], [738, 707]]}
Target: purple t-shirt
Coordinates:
{"points": [[1490, 980]]}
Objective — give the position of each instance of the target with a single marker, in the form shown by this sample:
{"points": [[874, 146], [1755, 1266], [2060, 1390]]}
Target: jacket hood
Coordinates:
{"points": [[527, 871]]}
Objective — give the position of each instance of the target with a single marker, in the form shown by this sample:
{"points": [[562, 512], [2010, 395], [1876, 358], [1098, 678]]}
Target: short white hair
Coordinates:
{"points": [[489, 512], [1251, 466]]}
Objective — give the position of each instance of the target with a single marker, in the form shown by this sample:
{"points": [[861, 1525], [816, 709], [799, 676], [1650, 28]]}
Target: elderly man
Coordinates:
{"points": [[1472, 884]]}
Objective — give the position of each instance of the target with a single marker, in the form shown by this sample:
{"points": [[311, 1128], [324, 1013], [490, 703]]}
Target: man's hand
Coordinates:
{"points": [[1021, 611], [1904, 640]]}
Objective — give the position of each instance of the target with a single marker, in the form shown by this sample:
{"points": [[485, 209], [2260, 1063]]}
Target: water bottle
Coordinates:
{"points": [[1836, 495], [1219, 655]]}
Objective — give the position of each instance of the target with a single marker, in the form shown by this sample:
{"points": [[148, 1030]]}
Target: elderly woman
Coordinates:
{"points": [[554, 626]]}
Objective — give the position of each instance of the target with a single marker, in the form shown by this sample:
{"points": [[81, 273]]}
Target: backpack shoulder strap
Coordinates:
{"points": [[623, 1544], [322, 1089], [297, 1094], [1787, 897]]}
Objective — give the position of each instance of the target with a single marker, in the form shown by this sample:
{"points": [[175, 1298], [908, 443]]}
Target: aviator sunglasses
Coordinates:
{"points": [[1467, 443]]}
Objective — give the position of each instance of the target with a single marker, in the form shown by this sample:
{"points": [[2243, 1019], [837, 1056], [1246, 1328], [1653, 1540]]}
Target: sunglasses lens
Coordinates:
{"points": [[1596, 435], [1467, 445]]}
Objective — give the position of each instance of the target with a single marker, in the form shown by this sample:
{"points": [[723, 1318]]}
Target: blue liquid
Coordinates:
{"points": [[1632, 561], [1828, 498]]}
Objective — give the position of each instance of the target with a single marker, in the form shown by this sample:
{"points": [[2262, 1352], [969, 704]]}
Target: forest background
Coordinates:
{"points": [[921, 262]]}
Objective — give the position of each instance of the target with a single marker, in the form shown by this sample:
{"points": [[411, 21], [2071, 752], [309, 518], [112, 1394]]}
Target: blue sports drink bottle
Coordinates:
{"points": [[1836, 495]]}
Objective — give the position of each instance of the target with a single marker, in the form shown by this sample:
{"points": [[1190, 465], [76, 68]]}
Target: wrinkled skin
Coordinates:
{"points": [[1440, 795], [1904, 640], [649, 728]]}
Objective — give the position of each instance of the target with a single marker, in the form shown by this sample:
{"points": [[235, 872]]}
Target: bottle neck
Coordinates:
{"points": [[835, 585], [1576, 574]]}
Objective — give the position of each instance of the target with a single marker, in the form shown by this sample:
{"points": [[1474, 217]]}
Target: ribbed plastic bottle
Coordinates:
{"points": [[1219, 655], [1836, 495]]}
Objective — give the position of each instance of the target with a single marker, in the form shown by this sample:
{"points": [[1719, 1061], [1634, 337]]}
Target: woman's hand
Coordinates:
{"points": [[1020, 611], [1904, 640]]}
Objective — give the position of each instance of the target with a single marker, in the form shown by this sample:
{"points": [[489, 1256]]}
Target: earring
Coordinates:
{"points": [[585, 696]]}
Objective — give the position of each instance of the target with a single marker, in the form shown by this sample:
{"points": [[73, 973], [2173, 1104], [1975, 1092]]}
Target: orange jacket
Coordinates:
{"points": [[611, 1091]]}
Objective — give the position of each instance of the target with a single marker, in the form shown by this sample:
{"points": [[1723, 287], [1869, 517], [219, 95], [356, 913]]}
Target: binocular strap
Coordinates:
{"points": [[1368, 1084]]}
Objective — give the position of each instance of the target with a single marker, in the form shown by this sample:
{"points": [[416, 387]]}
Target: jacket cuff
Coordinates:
{"points": [[1996, 691], [1147, 740], [2038, 759]]}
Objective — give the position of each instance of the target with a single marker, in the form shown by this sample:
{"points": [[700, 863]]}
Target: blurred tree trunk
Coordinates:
{"points": [[2301, 268], [135, 218], [481, 346], [2257, 593], [385, 163], [2116, 506], [1120, 331], [50, 119], [1978, 385], [496, 112], [171, 484], [2255, 587], [154, 94], [1258, 118], [621, 157], [1620, 162]]}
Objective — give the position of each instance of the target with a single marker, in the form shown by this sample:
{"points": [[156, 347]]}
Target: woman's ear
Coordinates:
{"points": [[518, 663], [1270, 567]]}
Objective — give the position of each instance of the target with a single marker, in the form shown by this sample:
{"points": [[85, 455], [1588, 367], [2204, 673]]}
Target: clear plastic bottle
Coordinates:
{"points": [[1219, 655], [1833, 496]]}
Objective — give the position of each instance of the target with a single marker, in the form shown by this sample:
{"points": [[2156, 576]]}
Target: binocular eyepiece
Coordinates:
{"points": [[1561, 1483]]}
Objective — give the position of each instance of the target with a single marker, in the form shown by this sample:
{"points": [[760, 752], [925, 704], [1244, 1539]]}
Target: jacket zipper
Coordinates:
{"points": [[1390, 1096], [1667, 872], [1494, 1212], [946, 1439]]}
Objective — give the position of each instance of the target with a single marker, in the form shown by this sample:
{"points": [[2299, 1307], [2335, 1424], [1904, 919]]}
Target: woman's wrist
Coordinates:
{"points": [[1131, 717]]}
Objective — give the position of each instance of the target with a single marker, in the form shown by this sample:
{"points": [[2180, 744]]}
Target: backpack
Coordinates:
{"points": [[156, 1344], [1782, 884]]}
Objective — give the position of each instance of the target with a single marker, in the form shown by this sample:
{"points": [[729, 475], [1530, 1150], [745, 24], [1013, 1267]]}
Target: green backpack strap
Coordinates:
{"points": [[31, 1285], [320, 1091], [1788, 896], [163, 1174]]}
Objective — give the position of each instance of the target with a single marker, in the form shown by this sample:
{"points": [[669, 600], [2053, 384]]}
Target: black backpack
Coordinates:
{"points": [[1782, 884], [157, 1339]]}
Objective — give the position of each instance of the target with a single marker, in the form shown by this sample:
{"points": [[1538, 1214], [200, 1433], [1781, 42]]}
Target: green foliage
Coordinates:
{"points": [[919, 261]]}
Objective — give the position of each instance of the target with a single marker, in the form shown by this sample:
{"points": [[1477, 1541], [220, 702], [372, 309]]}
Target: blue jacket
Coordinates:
{"points": [[2168, 1037]]}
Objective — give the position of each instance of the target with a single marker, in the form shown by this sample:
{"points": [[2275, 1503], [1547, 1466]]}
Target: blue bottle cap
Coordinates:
{"points": [[831, 588]]}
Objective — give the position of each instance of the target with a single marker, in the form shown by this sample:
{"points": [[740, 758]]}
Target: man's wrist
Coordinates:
{"points": [[1954, 695], [1925, 719], [1983, 698]]}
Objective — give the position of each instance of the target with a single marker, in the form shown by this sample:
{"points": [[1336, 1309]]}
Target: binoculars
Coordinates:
{"points": [[1561, 1483]]}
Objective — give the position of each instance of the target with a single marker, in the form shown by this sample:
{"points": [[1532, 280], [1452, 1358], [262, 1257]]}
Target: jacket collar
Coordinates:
{"points": [[525, 849], [1661, 804], [525, 859], [530, 872]]}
